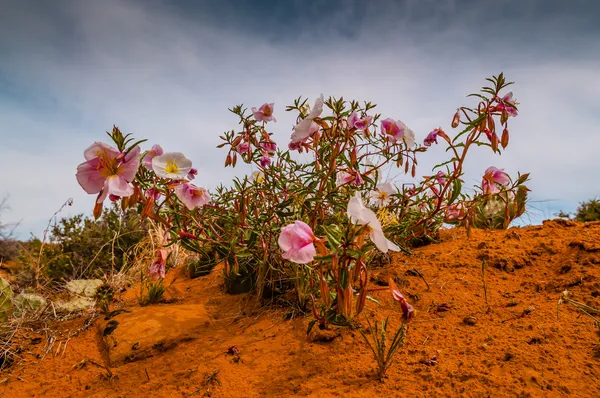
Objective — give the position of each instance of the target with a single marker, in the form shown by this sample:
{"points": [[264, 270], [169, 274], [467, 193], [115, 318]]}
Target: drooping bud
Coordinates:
{"points": [[490, 123], [494, 142], [504, 139], [97, 210]]}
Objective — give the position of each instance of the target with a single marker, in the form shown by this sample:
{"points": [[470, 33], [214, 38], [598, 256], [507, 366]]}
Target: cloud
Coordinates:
{"points": [[168, 72]]}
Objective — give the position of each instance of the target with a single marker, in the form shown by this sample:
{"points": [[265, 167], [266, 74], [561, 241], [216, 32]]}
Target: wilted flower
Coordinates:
{"points": [[151, 154], [265, 160], [492, 178], [455, 212], [191, 195], [264, 113], [361, 215], [108, 171], [509, 105], [408, 312], [192, 174], [381, 195], [345, 177], [306, 127], [157, 269], [172, 165], [243, 147], [431, 137], [268, 146], [440, 177], [355, 122], [152, 193], [297, 242]]}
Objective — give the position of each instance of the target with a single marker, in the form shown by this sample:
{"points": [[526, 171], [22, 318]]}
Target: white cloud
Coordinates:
{"points": [[171, 80]]}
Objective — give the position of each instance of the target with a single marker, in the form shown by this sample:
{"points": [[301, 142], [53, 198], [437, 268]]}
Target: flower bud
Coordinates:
{"points": [[456, 119], [504, 139], [237, 141], [494, 142]]}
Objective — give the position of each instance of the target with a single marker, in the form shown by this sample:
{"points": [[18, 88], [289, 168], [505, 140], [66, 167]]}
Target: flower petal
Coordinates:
{"points": [[89, 176]]}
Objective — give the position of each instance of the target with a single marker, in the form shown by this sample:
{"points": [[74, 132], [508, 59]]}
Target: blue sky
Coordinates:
{"points": [[168, 71]]}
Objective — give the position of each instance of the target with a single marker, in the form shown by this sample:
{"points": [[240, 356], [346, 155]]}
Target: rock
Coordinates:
{"points": [[6, 297], [324, 335], [28, 304], [76, 304], [148, 331], [84, 287]]}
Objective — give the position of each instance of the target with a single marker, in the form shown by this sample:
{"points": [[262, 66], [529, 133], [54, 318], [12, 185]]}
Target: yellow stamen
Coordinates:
{"points": [[171, 167]]}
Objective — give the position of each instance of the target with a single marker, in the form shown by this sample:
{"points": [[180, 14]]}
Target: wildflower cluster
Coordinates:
{"points": [[313, 215]]}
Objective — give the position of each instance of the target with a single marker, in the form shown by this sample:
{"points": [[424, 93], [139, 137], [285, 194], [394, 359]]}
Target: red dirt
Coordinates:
{"points": [[518, 348]]}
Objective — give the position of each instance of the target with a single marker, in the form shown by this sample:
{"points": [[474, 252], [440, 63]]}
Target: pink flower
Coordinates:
{"points": [[431, 137], [152, 193], [355, 122], [297, 242], [243, 147], [295, 146], [440, 177], [265, 160], [493, 179], [408, 312], [509, 105], [307, 127], [268, 146], [192, 174], [343, 178], [191, 195], [147, 160], [489, 134], [395, 130], [455, 212], [107, 171], [157, 269], [264, 113], [392, 129]]}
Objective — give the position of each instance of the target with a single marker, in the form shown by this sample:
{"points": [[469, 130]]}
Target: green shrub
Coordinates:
{"points": [[81, 248], [588, 211]]}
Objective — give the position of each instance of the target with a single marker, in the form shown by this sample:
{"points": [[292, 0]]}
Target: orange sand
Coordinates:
{"points": [[518, 348]]}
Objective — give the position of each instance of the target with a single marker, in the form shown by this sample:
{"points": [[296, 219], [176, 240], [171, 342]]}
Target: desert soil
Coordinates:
{"points": [[207, 343]]}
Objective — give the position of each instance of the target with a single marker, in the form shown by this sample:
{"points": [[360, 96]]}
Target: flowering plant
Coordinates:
{"points": [[315, 214]]}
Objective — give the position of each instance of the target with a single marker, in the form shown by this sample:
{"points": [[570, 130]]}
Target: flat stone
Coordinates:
{"points": [[28, 303], [76, 304], [84, 287], [147, 331]]}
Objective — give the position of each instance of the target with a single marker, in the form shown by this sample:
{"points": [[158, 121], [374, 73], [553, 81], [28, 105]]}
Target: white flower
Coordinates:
{"points": [[172, 165], [306, 127], [409, 136], [361, 215], [381, 195], [257, 176]]}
